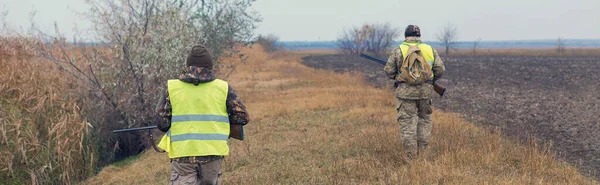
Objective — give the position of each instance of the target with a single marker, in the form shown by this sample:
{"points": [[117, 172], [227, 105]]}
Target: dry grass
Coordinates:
{"points": [[304, 52], [315, 127], [42, 135]]}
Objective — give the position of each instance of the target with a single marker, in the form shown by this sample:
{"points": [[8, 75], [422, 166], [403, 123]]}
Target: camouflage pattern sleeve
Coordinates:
{"points": [[391, 67], [236, 109], [164, 110], [438, 66]]}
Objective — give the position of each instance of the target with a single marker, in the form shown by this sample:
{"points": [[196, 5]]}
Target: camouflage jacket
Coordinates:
{"points": [[413, 92], [195, 75]]}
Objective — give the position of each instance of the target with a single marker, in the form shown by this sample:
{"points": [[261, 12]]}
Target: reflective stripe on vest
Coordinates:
{"points": [[199, 122], [426, 51]]}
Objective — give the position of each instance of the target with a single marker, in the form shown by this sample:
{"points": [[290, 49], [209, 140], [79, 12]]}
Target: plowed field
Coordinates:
{"points": [[553, 99]]}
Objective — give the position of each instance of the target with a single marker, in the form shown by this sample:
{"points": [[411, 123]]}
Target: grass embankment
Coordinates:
{"points": [[316, 127]]}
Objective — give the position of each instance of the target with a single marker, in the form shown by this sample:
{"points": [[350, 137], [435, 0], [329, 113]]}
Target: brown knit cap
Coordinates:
{"points": [[200, 57]]}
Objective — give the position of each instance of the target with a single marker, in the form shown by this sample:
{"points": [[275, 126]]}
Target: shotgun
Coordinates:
{"points": [[436, 87], [236, 131], [134, 129]]}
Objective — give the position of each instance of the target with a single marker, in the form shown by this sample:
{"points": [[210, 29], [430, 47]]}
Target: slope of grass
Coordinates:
{"points": [[312, 126]]}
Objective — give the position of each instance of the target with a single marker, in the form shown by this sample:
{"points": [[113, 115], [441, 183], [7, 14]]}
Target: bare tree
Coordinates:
{"points": [[372, 38], [560, 45], [3, 22], [475, 44], [447, 37]]}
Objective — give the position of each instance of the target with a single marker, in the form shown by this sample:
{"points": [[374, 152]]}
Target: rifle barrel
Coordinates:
{"points": [[373, 59], [134, 129]]}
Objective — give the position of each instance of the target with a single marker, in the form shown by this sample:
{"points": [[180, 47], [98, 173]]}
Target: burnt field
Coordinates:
{"points": [[554, 99]]}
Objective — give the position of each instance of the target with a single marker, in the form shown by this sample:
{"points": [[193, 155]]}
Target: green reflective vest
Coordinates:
{"points": [[426, 51], [199, 122]]}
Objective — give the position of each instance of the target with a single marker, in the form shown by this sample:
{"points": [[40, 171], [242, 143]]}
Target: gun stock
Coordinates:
{"points": [[436, 87], [236, 132], [439, 89]]}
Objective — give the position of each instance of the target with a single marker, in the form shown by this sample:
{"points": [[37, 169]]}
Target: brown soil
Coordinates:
{"points": [[554, 99]]}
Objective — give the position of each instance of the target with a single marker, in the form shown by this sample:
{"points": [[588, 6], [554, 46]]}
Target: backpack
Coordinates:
{"points": [[414, 69]]}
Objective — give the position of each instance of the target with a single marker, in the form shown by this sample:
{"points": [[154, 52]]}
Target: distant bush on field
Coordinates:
{"points": [[372, 38], [269, 42]]}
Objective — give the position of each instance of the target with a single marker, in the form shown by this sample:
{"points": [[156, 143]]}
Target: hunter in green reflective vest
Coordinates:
{"points": [[197, 112]]}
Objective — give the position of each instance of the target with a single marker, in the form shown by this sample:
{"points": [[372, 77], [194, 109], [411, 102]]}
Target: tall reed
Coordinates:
{"points": [[43, 137]]}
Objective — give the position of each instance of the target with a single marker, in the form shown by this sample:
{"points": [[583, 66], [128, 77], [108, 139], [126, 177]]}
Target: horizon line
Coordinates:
{"points": [[515, 40]]}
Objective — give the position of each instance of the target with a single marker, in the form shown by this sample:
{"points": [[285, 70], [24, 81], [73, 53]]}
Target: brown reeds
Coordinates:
{"points": [[44, 139]]}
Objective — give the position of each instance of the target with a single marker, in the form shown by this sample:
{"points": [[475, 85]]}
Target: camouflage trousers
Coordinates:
{"points": [[414, 117], [196, 173]]}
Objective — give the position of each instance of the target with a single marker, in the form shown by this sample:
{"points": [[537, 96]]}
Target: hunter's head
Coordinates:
{"points": [[200, 57], [412, 31]]}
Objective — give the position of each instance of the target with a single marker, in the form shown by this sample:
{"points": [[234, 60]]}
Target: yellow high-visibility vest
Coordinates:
{"points": [[426, 51], [199, 122]]}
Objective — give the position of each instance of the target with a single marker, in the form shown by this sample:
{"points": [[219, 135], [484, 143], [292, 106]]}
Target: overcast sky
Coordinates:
{"points": [[299, 20]]}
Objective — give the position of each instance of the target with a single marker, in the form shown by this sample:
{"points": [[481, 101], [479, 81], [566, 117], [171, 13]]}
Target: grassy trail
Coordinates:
{"points": [[312, 126]]}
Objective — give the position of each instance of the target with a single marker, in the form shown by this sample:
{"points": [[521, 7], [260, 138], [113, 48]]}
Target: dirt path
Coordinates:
{"points": [[554, 99]]}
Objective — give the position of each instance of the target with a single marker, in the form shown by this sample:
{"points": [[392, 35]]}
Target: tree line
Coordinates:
{"points": [[377, 39]]}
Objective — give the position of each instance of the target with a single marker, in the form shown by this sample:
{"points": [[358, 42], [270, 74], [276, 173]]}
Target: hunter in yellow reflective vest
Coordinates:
{"points": [[199, 122], [196, 113]]}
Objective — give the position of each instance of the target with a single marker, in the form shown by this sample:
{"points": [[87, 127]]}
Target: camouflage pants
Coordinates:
{"points": [[414, 117], [208, 173]]}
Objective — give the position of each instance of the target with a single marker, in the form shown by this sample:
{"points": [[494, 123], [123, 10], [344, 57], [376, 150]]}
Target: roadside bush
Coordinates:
{"points": [[113, 80], [269, 42], [141, 45], [372, 38]]}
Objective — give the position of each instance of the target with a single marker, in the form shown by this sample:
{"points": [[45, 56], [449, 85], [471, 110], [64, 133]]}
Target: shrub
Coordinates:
{"points": [[269, 42], [372, 38]]}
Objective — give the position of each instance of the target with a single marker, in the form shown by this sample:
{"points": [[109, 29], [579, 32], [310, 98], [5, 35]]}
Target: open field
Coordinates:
{"points": [[552, 98], [311, 126], [570, 51]]}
